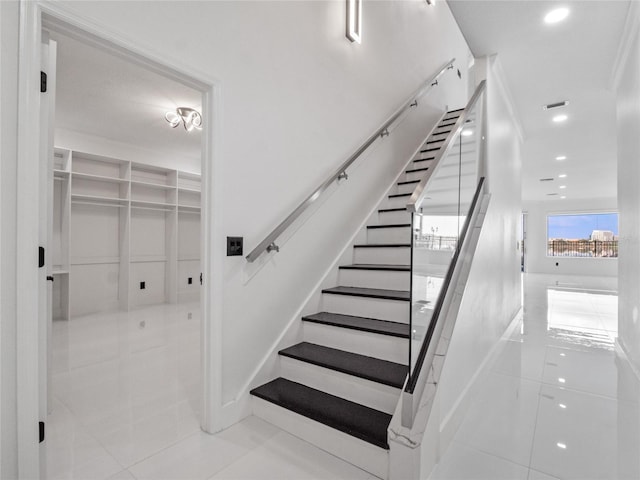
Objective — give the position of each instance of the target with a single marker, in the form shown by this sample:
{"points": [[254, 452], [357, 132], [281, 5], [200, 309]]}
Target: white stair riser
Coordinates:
{"points": [[368, 457], [396, 202], [383, 256], [358, 390], [391, 280], [381, 309], [401, 216], [385, 347], [414, 175], [389, 235], [408, 188]]}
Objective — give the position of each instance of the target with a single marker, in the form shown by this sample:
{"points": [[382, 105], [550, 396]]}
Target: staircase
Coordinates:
{"points": [[339, 387]]}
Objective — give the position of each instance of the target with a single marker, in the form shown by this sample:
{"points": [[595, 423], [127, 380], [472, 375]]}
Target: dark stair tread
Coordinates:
{"points": [[434, 149], [349, 417], [400, 295], [397, 195], [440, 133], [435, 141], [383, 245], [370, 368], [454, 111], [397, 225], [417, 170], [363, 324], [424, 159], [399, 209], [408, 182], [375, 266]]}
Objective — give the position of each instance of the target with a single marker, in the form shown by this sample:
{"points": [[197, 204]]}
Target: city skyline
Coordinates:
{"points": [[580, 226]]}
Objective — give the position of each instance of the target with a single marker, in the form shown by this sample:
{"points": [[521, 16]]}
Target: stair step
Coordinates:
{"points": [[398, 195], [370, 368], [399, 209], [424, 159], [417, 169], [409, 182], [440, 133], [371, 325], [370, 266], [432, 149], [439, 140], [447, 125], [400, 295], [351, 418], [398, 225]]}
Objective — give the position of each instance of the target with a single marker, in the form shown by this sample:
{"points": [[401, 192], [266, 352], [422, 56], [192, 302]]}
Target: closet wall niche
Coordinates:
{"points": [[125, 234]]}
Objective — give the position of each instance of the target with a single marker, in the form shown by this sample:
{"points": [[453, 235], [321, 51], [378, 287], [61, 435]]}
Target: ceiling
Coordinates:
{"points": [[570, 60], [98, 93]]}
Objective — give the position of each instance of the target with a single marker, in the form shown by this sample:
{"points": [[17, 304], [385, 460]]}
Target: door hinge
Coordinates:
{"points": [[40, 257], [41, 424], [43, 82]]}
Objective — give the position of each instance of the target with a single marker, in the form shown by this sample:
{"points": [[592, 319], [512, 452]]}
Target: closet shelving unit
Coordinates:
{"points": [[116, 224]]}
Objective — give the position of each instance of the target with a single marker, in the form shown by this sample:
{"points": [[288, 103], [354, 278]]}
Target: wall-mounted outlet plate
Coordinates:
{"points": [[234, 246], [143, 285]]}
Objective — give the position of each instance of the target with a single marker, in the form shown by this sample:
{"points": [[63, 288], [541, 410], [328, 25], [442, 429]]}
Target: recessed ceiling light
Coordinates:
{"points": [[561, 380], [556, 15], [563, 197], [562, 175], [560, 118], [467, 133], [563, 186], [561, 157], [561, 445]]}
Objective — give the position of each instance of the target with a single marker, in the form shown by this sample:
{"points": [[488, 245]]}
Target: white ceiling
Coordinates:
{"points": [[572, 60], [98, 93]]}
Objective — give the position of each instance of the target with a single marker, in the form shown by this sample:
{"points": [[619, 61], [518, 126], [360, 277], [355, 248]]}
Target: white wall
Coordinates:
{"points": [[492, 297], [9, 23], [628, 117], [536, 258], [296, 99]]}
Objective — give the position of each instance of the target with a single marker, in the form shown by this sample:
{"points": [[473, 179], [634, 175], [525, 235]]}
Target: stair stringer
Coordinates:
{"points": [[269, 367], [414, 451]]}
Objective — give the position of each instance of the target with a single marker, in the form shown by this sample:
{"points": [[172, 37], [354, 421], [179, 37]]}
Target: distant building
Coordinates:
{"points": [[603, 235]]}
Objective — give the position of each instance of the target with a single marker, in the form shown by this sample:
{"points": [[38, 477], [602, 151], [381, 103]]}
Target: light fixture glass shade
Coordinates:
{"points": [[189, 117]]}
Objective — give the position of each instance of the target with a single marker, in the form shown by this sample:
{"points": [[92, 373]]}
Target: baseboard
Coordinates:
{"points": [[622, 352]]}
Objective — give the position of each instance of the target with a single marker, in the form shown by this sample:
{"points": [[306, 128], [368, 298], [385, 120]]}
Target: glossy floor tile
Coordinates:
{"points": [[126, 404], [558, 399]]}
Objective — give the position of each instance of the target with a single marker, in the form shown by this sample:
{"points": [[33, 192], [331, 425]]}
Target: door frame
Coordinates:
{"points": [[33, 15]]}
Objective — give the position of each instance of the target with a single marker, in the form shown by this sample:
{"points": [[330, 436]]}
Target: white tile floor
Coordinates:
{"points": [[126, 391], [558, 402]]}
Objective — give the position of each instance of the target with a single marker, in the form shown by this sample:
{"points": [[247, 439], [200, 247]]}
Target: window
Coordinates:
{"points": [[585, 235]]}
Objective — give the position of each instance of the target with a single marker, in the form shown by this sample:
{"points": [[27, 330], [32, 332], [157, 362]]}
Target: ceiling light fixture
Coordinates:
{"points": [[560, 118], [189, 117], [563, 186], [354, 20], [467, 133], [561, 157], [556, 15], [562, 175], [563, 197]]}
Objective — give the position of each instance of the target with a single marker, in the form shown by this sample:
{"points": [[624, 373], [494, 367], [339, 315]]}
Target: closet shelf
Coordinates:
{"points": [[187, 189], [98, 178], [106, 201], [159, 186], [189, 208], [60, 173], [148, 204]]}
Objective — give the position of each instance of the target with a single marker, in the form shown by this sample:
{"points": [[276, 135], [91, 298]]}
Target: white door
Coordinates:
{"points": [[46, 278]]}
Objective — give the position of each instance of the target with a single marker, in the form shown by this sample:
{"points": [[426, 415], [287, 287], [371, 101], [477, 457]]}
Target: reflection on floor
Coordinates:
{"points": [[126, 402], [558, 402]]}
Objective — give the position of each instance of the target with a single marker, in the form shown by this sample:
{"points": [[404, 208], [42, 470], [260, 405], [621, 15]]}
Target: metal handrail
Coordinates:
{"points": [[419, 193], [437, 309], [268, 244]]}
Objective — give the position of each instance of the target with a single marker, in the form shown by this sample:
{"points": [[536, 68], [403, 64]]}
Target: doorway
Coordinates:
{"points": [[35, 17]]}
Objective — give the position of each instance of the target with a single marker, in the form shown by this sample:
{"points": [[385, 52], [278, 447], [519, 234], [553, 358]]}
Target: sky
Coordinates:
{"points": [[580, 226]]}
